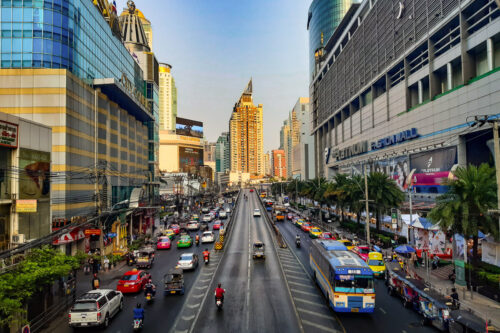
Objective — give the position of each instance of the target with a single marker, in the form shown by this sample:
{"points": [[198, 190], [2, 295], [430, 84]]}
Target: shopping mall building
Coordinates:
{"points": [[400, 85]]}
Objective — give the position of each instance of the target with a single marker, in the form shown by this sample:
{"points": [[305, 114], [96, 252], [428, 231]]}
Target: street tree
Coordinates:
{"points": [[355, 195], [336, 192], [385, 194]]}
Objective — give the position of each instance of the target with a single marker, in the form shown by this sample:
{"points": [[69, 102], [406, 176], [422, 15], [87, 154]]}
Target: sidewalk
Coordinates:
{"points": [[108, 278]]}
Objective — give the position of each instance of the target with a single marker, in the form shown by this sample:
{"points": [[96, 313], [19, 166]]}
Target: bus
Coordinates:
{"points": [[345, 279]]}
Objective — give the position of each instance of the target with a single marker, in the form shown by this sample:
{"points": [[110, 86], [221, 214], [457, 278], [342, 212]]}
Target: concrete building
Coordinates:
{"points": [[303, 151], [247, 135], [25, 177], [238, 178], [168, 98], [267, 164], [398, 86], [180, 153], [209, 156], [222, 153], [278, 163]]}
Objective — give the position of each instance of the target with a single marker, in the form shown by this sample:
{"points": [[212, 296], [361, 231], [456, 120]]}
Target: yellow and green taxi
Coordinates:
{"points": [[185, 241], [376, 263], [169, 233], [314, 232], [299, 223], [195, 217], [347, 243]]}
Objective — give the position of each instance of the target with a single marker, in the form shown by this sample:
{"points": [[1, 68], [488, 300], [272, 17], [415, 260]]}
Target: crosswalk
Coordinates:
{"points": [[314, 314]]}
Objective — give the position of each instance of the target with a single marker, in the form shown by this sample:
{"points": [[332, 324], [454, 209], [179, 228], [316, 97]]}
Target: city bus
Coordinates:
{"points": [[345, 279]]}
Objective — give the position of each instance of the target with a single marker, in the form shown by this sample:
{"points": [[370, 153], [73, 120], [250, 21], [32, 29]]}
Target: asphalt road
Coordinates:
{"points": [[160, 314], [257, 298], [389, 315]]}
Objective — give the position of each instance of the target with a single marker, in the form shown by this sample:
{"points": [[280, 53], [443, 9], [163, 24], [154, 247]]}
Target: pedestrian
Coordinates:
{"points": [[95, 266], [95, 282], [106, 263]]}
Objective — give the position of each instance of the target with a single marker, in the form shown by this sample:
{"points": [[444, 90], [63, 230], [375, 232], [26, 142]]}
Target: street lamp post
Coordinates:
{"points": [[366, 207]]}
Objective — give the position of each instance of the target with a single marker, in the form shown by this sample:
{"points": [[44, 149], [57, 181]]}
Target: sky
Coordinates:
{"points": [[216, 46]]}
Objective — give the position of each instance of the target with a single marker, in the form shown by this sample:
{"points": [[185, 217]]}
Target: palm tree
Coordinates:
{"points": [[385, 194], [336, 192], [464, 208], [354, 195]]}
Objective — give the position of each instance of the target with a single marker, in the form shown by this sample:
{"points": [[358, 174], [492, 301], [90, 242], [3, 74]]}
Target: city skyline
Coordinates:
{"points": [[208, 86]]}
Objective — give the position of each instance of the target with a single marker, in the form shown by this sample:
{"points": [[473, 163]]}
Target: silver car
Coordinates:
{"points": [[188, 261]]}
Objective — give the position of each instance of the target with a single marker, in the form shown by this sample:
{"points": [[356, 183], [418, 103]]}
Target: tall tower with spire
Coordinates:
{"points": [[246, 128]]}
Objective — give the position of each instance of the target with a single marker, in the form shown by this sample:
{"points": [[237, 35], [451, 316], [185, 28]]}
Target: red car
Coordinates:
{"points": [[176, 228], [289, 216], [362, 251], [306, 227], [216, 225], [133, 281], [163, 243], [326, 235], [251, 190]]}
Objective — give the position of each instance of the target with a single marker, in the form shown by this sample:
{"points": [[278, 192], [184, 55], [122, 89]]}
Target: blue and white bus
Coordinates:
{"points": [[345, 279]]}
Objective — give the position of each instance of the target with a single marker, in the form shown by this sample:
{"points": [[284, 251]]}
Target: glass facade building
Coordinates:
{"points": [[323, 17], [69, 34]]}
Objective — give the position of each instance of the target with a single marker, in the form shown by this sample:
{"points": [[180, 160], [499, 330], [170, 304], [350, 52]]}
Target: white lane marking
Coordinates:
{"points": [[321, 327], [289, 270], [248, 278], [298, 278], [207, 273], [312, 313], [192, 306], [188, 318], [198, 296], [297, 273], [403, 331], [204, 280], [184, 331], [302, 285], [304, 292], [383, 311], [309, 302], [201, 288]]}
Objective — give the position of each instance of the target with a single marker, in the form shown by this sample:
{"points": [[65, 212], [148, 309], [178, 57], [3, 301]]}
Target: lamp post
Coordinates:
{"points": [[409, 181]]}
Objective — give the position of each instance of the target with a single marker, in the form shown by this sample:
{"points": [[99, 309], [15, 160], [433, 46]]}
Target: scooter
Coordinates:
{"points": [[297, 243], [149, 297], [197, 241], [219, 303], [137, 325], [130, 262], [207, 259]]}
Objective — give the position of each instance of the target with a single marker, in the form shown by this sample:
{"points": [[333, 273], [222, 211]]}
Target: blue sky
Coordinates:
{"points": [[215, 46]]}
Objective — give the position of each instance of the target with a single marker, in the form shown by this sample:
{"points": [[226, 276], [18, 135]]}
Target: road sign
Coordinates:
{"points": [[25, 329]]}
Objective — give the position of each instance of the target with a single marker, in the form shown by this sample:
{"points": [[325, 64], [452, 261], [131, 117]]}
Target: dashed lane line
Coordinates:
{"points": [[382, 310], [201, 287], [204, 280], [193, 306], [298, 278], [302, 285], [313, 313], [179, 331], [309, 302], [301, 274], [293, 270], [318, 326], [304, 292], [198, 296], [188, 318]]}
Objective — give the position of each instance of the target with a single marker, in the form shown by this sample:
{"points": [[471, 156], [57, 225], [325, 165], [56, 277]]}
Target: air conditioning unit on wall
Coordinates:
{"points": [[18, 239]]}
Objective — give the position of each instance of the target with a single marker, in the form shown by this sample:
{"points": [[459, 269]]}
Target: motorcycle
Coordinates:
{"points": [[149, 297], [137, 324], [297, 243], [130, 262], [197, 241], [219, 303], [207, 259]]}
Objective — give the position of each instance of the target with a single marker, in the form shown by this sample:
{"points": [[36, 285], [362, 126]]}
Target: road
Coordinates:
{"points": [[257, 299], [389, 315]]}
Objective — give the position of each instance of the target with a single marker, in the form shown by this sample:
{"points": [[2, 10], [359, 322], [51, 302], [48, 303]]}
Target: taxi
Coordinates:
{"points": [[170, 233], [163, 243], [299, 222], [326, 235], [315, 232], [376, 263], [185, 241], [133, 281], [347, 243], [195, 217], [176, 228], [306, 227], [216, 226], [362, 251]]}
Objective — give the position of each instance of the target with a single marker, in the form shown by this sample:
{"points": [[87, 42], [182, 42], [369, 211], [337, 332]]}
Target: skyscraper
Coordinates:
{"points": [[279, 163], [285, 139], [168, 98], [222, 153], [247, 135]]}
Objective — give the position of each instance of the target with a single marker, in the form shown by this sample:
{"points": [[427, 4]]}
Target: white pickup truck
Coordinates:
{"points": [[95, 308]]}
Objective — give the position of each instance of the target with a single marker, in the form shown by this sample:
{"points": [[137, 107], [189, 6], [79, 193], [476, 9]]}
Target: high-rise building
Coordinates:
{"points": [[267, 164], [278, 163], [223, 153], [209, 155], [322, 19], [303, 166], [168, 98], [246, 135], [285, 139]]}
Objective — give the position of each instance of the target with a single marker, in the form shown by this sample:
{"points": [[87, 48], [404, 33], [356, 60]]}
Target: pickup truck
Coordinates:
{"points": [[95, 308]]}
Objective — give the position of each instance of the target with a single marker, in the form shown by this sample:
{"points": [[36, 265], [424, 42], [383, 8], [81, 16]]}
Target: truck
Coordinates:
{"points": [[279, 213]]}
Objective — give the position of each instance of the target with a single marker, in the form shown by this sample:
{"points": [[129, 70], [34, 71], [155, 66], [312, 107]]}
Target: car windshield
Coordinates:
{"points": [[354, 283], [207, 234], [84, 306], [256, 210], [186, 257], [315, 230], [375, 262], [347, 243], [364, 251], [132, 277], [164, 240]]}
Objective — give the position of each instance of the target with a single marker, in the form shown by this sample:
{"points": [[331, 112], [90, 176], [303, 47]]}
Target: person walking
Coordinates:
{"points": [[96, 282], [106, 263]]}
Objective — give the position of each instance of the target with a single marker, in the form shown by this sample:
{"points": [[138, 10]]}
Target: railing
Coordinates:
{"points": [[279, 237], [228, 228]]}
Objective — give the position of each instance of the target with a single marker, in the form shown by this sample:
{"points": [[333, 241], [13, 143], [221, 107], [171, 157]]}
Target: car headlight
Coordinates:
{"points": [[340, 304], [370, 305]]}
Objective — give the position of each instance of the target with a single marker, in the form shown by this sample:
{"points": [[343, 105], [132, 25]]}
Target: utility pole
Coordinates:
{"points": [[367, 208], [97, 177]]}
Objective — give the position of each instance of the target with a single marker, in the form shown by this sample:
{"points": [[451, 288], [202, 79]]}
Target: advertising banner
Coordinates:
{"points": [[397, 168], [26, 206], [34, 180], [8, 134], [189, 127], [190, 158], [432, 169]]}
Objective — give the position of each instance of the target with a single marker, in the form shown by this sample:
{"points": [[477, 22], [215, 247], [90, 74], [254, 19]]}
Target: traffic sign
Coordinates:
{"points": [[25, 329]]}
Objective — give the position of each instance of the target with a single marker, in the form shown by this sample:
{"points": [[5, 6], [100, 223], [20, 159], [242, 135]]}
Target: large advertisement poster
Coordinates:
{"points": [[189, 127], [397, 168], [34, 178], [432, 169], [190, 158]]}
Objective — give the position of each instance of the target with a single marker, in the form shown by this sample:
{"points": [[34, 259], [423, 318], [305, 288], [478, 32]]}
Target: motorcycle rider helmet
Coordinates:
{"points": [[206, 250], [219, 286], [139, 305]]}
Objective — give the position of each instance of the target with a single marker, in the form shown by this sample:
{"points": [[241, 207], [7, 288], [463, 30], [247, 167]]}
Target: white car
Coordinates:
{"points": [[228, 210], [95, 308], [256, 212], [193, 225], [208, 237], [207, 218], [188, 261], [222, 214], [286, 204]]}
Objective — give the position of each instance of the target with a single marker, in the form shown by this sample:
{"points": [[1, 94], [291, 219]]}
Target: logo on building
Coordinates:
{"points": [[429, 162], [350, 151], [395, 139], [8, 134]]}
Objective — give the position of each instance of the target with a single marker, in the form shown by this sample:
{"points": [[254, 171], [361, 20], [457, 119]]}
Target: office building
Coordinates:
{"points": [[246, 135], [323, 18], [399, 87], [267, 164], [278, 164], [209, 157], [222, 153], [168, 98], [302, 165]]}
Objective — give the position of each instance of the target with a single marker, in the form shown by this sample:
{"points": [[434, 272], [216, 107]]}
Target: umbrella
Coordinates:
{"points": [[376, 248], [404, 249]]}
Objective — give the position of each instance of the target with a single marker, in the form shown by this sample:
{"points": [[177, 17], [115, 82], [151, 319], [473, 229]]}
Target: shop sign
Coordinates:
{"points": [[26, 206], [347, 152], [8, 134], [395, 139], [439, 160], [90, 232], [112, 235], [139, 96]]}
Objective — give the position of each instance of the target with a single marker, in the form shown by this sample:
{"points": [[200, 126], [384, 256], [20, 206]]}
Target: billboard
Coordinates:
{"points": [[189, 159], [432, 169], [189, 127]]}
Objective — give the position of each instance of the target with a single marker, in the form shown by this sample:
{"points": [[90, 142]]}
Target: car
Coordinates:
{"points": [[256, 212], [169, 233], [286, 204], [188, 261], [133, 281], [347, 243], [289, 216], [222, 215], [217, 225], [208, 237], [204, 226], [205, 210], [163, 243], [315, 232], [95, 308], [193, 225], [251, 190], [185, 241], [326, 235], [362, 251], [195, 217], [306, 226], [228, 210], [176, 228], [376, 263], [207, 218], [299, 223]]}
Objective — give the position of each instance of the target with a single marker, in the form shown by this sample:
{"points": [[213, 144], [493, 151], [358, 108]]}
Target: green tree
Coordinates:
{"points": [[336, 192], [464, 208], [354, 195], [385, 194]]}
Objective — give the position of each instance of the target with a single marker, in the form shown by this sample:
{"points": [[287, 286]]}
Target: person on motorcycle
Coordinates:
{"points": [[150, 288], [206, 254], [219, 293], [197, 238], [139, 312], [297, 238]]}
